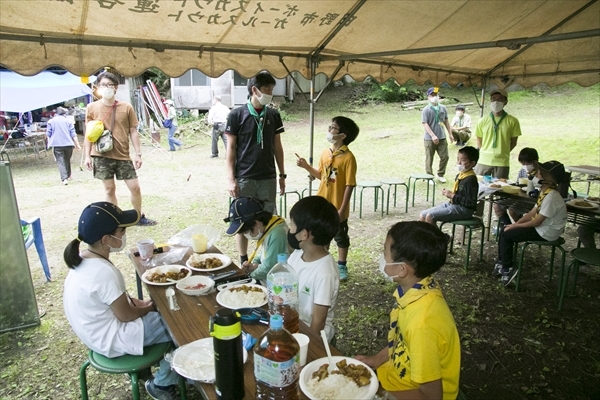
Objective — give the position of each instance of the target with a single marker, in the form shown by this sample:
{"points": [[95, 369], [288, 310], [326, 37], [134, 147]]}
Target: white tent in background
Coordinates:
{"points": [[20, 93]]}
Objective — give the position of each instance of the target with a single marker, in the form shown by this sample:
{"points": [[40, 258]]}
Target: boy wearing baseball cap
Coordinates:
{"points": [[433, 116], [545, 222], [248, 217]]}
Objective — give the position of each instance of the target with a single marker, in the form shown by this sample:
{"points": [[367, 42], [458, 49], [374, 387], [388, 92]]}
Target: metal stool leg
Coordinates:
{"points": [[468, 248], [482, 239], [377, 189], [83, 380], [387, 210], [407, 195], [520, 265], [135, 386], [360, 205]]}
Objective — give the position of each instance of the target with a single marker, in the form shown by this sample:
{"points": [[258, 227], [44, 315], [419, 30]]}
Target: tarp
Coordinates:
{"points": [[453, 41], [25, 93]]}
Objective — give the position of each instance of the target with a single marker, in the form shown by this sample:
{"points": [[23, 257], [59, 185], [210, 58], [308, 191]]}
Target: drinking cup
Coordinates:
{"points": [[303, 341], [199, 243], [146, 250], [487, 178], [523, 181]]}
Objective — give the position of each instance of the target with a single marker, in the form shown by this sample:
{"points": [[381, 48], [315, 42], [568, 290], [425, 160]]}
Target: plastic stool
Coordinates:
{"points": [[364, 185], [283, 198], [394, 182], [470, 224], [580, 256], [127, 364], [556, 244], [422, 177]]}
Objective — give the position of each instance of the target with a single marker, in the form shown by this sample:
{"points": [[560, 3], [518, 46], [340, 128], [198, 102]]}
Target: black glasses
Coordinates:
{"points": [[331, 127], [107, 85]]}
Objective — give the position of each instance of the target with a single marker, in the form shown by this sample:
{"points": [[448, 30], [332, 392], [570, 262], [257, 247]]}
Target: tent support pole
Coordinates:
{"points": [[475, 93], [331, 78], [293, 78], [313, 68], [484, 81]]}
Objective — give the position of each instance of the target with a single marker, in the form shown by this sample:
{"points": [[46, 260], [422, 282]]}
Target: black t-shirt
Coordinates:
{"points": [[254, 160]]}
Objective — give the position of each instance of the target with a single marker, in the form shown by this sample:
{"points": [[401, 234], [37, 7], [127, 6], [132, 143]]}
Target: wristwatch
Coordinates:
{"points": [[139, 154], [283, 176]]}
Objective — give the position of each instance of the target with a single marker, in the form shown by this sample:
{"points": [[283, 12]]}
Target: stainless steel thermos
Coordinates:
{"points": [[226, 330]]}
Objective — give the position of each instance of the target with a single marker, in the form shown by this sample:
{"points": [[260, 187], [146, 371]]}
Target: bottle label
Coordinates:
{"points": [[274, 373], [283, 294]]}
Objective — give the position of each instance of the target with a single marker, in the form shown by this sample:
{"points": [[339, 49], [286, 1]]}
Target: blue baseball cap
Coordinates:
{"points": [[432, 90], [103, 218], [242, 209]]}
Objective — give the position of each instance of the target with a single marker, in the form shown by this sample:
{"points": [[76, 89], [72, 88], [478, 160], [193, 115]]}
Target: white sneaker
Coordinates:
{"points": [[65, 182], [441, 179]]}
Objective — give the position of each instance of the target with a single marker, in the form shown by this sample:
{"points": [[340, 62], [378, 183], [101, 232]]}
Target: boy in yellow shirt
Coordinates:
{"points": [[337, 172], [422, 358]]}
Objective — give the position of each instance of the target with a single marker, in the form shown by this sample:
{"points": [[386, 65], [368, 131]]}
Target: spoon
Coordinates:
{"points": [[331, 366]]}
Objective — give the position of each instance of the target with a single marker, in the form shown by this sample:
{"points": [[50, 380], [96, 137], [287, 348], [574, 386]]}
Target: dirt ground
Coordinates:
{"points": [[514, 344]]}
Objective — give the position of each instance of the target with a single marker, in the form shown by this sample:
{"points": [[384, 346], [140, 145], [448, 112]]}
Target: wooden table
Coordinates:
{"points": [[521, 199], [35, 141], [190, 323]]}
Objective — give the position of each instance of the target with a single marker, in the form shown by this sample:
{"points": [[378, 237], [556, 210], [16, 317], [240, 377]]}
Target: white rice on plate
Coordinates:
{"points": [[241, 299], [335, 386]]}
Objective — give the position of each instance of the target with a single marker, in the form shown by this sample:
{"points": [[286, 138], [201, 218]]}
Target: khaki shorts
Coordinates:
{"points": [[264, 190], [107, 168]]}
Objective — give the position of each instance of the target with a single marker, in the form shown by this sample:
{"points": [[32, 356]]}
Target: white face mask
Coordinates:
{"points": [[528, 168], [382, 264], [123, 240], [107, 93], [496, 106], [459, 114], [330, 138], [264, 99], [249, 236], [536, 182], [434, 100], [460, 167]]}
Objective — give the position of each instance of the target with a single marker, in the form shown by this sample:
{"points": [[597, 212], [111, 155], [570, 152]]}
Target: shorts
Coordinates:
{"points": [[264, 190], [341, 237], [496, 172], [107, 168], [448, 212]]}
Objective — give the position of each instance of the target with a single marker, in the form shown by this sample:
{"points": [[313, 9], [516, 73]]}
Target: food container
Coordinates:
{"points": [[511, 189], [187, 285]]}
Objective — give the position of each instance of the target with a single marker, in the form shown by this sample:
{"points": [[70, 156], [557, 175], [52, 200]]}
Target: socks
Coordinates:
{"points": [[342, 262]]}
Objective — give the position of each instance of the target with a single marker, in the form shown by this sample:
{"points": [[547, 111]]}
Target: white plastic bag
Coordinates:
{"points": [[184, 238]]}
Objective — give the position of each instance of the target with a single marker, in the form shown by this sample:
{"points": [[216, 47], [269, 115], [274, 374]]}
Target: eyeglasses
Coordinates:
{"points": [[107, 85], [331, 127]]}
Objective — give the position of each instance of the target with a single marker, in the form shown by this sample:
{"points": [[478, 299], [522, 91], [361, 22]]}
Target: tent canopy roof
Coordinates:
{"points": [[25, 93], [454, 41]]}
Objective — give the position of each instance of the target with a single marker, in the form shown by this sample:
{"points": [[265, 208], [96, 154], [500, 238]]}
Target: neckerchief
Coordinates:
{"points": [[496, 125], [403, 300], [260, 119], [460, 177], [275, 220], [436, 109], [329, 165], [538, 204]]}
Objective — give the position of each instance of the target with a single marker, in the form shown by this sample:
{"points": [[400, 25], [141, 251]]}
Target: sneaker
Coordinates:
{"points": [[508, 277], [213, 156], [497, 269], [65, 182], [161, 393], [146, 221], [343, 272], [441, 179]]}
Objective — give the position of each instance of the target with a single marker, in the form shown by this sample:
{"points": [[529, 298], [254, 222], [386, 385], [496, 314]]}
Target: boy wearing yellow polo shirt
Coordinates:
{"points": [[337, 172], [422, 358]]}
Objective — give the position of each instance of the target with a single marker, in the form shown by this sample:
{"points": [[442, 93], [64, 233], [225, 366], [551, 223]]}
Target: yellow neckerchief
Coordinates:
{"points": [[275, 220], [460, 177], [403, 300], [329, 165], [540, 199]]}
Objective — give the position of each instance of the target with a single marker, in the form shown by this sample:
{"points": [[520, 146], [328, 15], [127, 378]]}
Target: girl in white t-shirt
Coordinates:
{"points": [[545, 222], [96, 303]]}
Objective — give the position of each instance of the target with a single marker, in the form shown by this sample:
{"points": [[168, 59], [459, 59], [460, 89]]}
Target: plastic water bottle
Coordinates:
{"points": [[282, 285], [226, 330], [277, 363]]}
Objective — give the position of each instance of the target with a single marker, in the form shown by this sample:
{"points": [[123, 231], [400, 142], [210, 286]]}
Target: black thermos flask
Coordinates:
{"points": [[226, 330]]}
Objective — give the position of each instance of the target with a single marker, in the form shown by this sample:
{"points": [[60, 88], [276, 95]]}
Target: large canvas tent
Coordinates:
{"points": [[454, 41]]}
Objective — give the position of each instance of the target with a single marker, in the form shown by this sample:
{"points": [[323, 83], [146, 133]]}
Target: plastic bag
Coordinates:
{"points": [[184, 238], [173, 256], [93, 130]]}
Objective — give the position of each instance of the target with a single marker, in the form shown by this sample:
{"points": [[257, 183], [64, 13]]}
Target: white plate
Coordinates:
{"points": [[224, 259], [224, 303], [196, 360], [524, 189], [365, 392], [593, 207], [163, 269]]}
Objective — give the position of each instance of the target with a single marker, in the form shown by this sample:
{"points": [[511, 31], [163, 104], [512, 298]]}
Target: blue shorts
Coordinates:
{"points": [[264, 190], [448, 212]]}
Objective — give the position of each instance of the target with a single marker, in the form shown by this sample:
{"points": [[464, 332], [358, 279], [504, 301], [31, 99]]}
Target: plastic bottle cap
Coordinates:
{"points": [[281, 258], [276, 322]]}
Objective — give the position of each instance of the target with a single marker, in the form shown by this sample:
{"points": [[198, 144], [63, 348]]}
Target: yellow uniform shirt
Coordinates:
{"points": [[338, 170], [423, 343]]}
